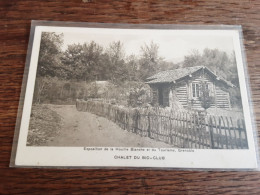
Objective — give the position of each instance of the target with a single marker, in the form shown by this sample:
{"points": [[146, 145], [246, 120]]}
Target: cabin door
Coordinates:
{"points": [[160, 100]]}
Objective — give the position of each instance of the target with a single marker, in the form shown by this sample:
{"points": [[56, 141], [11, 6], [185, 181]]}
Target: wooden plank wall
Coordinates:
{"points": [[15, 18], [222, 98], [182, 93]]}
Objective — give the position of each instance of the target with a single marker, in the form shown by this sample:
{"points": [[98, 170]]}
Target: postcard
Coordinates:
{"points": [[122, 95]]}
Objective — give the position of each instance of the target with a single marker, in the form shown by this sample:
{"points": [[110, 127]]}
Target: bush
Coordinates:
{"points": [[57, 91], [44, 125], [139, 95]]}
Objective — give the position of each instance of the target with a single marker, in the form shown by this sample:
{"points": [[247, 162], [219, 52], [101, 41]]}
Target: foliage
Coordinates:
{"points": [[235, 98], [116, 62], [138, 95], [83, 62], [205, 98], [43, 85], [149, 61], [221, 64], [131, 68], [92, 62], [193, 59], [217, 61], [50, 51], [44, 125], [57, 91], [64, 76]]}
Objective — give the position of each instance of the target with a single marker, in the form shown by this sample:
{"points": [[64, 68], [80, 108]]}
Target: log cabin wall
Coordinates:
{"points": [[218, 90], [182, 93], [222, 98], [197, 78]]}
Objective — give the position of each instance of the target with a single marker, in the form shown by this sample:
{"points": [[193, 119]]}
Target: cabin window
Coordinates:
{"points": [[195, 90]]}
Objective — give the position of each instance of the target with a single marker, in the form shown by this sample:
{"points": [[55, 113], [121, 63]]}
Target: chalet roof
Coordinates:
{"points": [[177, 74]]}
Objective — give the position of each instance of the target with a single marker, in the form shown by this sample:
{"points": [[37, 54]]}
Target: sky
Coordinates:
{"points": [[173, 44]]}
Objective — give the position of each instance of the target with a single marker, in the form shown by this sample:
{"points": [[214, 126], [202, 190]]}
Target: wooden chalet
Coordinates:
{"points": [[181, 87]]}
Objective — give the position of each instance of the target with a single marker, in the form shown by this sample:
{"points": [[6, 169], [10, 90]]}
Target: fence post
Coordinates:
{"points": [[224, 126], [211, 133], [234, 131], [229, 132], [171, 128], [220, 133]]}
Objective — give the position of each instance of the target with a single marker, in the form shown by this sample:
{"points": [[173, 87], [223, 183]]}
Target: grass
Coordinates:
{"points": [[44, 125], [237, 114]]}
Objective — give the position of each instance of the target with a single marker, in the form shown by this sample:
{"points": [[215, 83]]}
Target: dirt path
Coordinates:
{"points": [[86, 129]]}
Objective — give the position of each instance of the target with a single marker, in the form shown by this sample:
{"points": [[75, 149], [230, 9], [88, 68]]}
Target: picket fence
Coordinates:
{"points": [[179, 128]]}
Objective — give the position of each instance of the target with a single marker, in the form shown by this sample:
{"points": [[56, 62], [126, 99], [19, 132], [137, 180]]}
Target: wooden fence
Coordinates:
{"points": [[180, 129]]}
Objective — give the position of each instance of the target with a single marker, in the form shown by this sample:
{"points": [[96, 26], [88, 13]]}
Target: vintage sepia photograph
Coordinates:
{"points": [[137, 88]]}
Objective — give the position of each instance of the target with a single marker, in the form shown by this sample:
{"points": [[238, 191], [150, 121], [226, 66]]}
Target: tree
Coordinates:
{"points": [[149, 61], [92, 61], [233, 75], [116, 63], [218, 61], [42, 87], [137, 96], [193, 59], [235, 93], [131, 67], [49, 56], [83, 62], [72, 62]]}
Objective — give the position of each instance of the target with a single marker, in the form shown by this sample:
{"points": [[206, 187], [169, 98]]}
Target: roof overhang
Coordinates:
{"points": [[152, 79]]}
